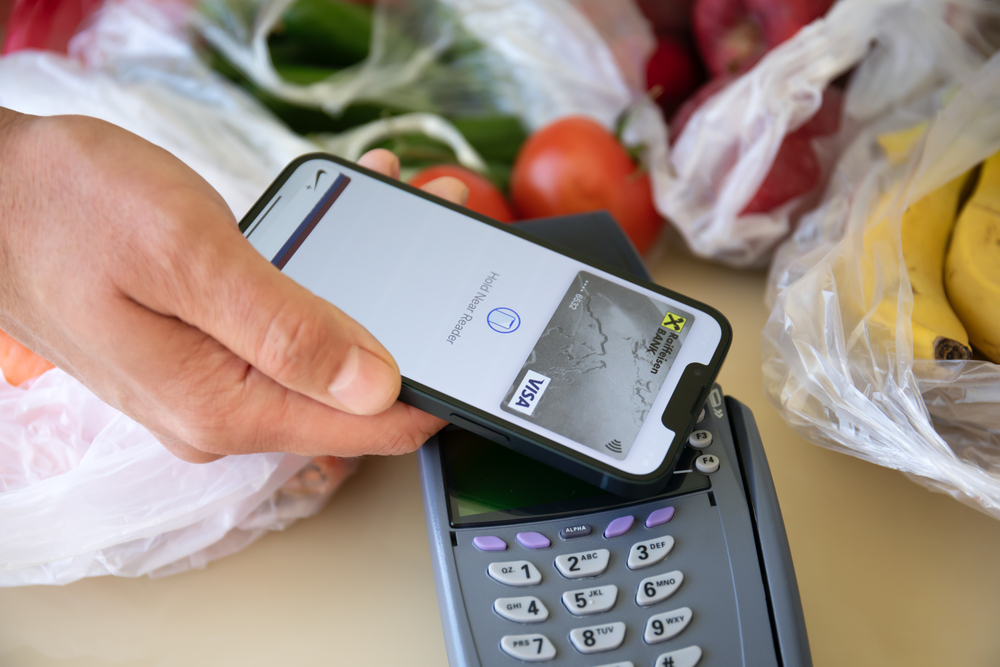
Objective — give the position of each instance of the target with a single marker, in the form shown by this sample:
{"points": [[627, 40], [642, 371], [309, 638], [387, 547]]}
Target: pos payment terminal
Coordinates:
{"points": [[532, 565]]}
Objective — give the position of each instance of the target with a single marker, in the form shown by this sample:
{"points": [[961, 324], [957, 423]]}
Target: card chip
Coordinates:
{"points": [[673, 322]]}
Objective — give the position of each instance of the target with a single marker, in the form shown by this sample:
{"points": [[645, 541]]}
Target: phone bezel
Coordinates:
{"points": [[695, 378]]}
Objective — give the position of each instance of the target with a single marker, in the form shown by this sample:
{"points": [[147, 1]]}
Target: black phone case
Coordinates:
{"points": [[692, 389]]}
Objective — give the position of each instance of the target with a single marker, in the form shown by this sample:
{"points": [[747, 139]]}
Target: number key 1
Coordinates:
{"points": [[515, 573]]}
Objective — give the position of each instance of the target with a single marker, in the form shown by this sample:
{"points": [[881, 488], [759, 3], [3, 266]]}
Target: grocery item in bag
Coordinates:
{"points": [[851, 351], [85, 490]]}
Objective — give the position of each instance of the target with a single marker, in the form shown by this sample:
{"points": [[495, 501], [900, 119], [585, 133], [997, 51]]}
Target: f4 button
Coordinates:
{"points": [[707, 463]]}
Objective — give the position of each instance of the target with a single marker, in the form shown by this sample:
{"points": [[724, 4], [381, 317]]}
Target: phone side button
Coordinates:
{"points": [[479, 429]]}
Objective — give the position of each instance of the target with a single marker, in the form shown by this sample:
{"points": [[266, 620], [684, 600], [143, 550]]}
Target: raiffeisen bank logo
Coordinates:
{"points": [[529, 392], [674, 322]]}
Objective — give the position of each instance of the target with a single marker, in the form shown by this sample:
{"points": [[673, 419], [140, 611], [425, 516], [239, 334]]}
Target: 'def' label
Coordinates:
{"points": [[529, 392]]}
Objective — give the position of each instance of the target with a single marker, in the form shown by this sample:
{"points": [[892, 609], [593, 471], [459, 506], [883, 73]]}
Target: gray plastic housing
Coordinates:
{"points": [[730, 545]]}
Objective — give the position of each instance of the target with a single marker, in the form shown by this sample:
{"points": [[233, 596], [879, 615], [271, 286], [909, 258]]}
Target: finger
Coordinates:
{"points": [[311, 429], [448, 188], [380, 160], [184, 451], [209, 276], [209, 402]]}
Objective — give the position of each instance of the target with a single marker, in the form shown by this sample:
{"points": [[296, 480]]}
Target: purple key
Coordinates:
{"points": [[533, 540], [489, 543], [619, 526], [660, 516]]}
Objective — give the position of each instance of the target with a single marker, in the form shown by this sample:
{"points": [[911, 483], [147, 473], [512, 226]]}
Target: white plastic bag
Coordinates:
{"points": [[901, 49], [84, 490], [537, 59], [545, 59], [846, 384]]}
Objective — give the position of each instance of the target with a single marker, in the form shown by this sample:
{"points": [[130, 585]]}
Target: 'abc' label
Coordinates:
{"points": [[532, 386]]}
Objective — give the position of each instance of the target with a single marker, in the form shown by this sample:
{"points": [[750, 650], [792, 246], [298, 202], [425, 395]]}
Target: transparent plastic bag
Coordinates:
{"points": [[537, 59], [545, 59], [900, 48], [847, 383], [84, 490]]}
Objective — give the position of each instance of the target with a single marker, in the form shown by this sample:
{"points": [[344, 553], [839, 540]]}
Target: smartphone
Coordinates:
{"points": [[577, 365]]}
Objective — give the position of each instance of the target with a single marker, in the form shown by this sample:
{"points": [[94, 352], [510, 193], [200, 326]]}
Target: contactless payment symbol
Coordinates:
{"points": [[673, 322], [503, 320]]}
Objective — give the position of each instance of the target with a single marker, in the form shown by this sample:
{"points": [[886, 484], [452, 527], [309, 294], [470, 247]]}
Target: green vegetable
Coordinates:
{"points": [[316, 39], [303, 75], [496, 138], [416, 151], [303, 120], [324, 33]]}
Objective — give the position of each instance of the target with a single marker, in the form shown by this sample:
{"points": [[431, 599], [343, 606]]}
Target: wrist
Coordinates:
{"points": [[9, 120], [10, 123]]}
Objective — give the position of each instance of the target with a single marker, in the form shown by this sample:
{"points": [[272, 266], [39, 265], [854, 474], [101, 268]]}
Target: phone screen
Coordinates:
{"points": [[511, 328]]}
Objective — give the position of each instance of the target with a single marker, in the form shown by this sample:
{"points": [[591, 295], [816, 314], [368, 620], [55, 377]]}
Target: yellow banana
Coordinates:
{"points": [[925, 228], [972, 268], [898, 145]]}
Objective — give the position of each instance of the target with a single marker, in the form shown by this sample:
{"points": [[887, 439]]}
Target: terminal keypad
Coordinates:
{"points": [[563, 565], [634, 587]]}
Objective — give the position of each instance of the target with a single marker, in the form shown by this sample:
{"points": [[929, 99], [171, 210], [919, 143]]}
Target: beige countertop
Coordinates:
{"points": [[890, 573]]}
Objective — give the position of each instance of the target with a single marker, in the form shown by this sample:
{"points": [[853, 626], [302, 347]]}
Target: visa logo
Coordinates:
{"points": [[528, 392]]}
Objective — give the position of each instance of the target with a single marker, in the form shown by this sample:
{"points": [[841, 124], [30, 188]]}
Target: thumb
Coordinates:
{"points": [[304, 343]]}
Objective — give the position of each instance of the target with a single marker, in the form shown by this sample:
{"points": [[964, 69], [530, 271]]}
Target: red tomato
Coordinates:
{"points": [[484, 197], [574, 165]]}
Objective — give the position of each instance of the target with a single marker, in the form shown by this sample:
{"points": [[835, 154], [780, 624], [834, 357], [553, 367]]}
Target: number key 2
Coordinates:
{"points": [[583, 564]]}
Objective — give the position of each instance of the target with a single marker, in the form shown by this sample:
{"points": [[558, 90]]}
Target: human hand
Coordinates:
{"points": [[127, 270]]}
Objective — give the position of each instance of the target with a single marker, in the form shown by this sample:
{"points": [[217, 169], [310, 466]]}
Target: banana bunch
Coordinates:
{"points": [[972, 267], [952, 256], [925, 229]]}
